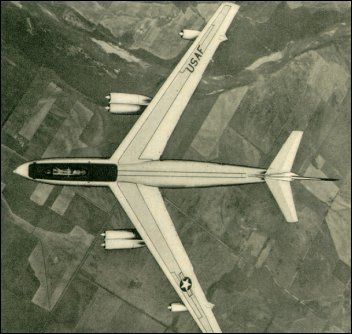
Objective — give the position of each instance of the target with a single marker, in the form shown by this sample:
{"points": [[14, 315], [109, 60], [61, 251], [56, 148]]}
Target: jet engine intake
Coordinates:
{"points": [[122, 239], [189, 34]]}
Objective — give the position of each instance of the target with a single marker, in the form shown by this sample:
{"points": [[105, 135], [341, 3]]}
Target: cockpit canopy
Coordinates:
{"points": [[74, 171], [65, 171]]}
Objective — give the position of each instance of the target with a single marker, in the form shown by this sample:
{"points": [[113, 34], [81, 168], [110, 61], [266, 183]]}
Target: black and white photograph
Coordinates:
{"points": [[175, 167]]}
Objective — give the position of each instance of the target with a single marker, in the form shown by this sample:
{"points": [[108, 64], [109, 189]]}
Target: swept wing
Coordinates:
{"points": [[149, 135], [146, 141], [145, 207]]}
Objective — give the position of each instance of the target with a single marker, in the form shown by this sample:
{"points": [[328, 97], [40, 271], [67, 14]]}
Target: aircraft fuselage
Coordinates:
{"points": [[167, 173], [176, 173]]}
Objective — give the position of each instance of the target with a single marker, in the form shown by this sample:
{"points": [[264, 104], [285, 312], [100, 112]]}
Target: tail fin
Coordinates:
{"points": [[278, 176]]}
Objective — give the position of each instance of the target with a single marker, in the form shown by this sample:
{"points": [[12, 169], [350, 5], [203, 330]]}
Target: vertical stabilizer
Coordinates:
{"points": [[278, 176]]}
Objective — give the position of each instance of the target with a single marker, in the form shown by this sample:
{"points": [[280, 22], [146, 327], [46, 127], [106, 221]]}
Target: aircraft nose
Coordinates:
{"points": [[22, 170]]}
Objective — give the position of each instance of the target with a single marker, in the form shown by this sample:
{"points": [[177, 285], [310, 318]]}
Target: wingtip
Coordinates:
{"points": [[234, 5], [297, 133]]}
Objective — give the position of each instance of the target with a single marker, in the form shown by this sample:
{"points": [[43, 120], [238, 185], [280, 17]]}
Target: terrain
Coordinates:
{"points": [[286, 66]]}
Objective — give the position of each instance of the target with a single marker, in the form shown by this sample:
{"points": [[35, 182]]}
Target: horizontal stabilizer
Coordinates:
{"points": [[284, 160], [278, 176], [282, 193]]}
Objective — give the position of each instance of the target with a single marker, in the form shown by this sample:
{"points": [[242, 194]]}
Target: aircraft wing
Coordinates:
{"points": [[146, 209], [149, 135]]}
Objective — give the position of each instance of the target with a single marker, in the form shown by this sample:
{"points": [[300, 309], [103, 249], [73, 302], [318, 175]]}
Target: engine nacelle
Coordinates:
{"points": [[122, 108], [121, 103], [177, 307], [189, 34], [122, 98], [121, 234], [122, 239], [122, 243]]}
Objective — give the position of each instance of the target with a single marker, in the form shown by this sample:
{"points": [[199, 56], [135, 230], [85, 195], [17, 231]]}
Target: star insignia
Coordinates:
{"points": [[185, 284]]}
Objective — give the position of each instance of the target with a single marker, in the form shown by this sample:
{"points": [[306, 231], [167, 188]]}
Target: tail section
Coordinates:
{"points": [[284, 160], [282, 193], [278, 176]]}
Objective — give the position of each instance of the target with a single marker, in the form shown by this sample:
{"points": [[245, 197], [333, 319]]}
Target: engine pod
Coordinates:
{"points": [[122, 239], [189, 34], [122, 108], [123, 98], [121, 234], [177, 307], [123, 243]]}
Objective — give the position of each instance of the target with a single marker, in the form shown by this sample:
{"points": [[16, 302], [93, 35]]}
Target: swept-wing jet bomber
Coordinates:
{"points": [[134, 173]]}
